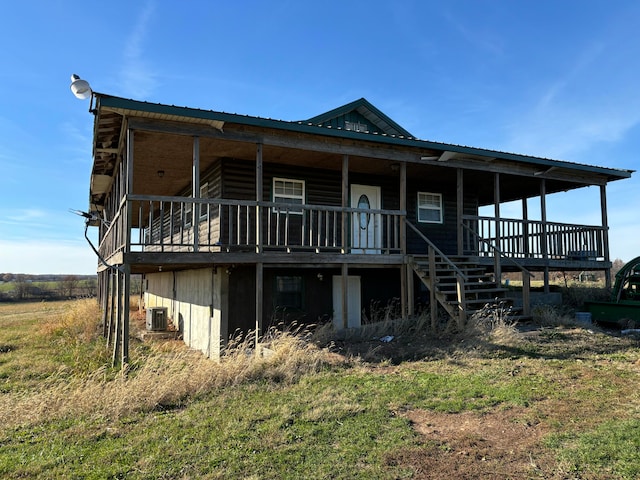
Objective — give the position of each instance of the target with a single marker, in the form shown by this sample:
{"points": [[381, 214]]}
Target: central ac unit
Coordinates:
{"points": [[157, 318]]}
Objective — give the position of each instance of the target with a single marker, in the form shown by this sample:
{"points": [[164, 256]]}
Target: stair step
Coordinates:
{"points": [[480, 287]]}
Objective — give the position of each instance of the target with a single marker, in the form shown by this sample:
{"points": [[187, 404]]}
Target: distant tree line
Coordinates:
{"points": [[566, 278], [22, 287]]}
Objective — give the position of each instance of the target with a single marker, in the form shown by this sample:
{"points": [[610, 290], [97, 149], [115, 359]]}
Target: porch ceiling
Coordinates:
{"points": [[171, 155]]}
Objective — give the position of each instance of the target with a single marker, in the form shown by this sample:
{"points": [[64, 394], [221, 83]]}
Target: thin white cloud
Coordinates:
{"points": [[138, 78], [477, 37], [584, 104], [26, 215]]}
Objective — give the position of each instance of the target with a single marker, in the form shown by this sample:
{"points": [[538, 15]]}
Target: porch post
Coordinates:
{"points": [[345, 266], [345, 201], [460, 209], [525, 227], [128, 189], [496, 256], [118, 315], [259, 298], [406, 299], [433, 305], [113, 279], [403, 208], [125, 314], [605, 233], [129, 160], [345, 295], [195, 192], [259, 265], [543, 234], [259, 193], [526, 278], [105, 280]]}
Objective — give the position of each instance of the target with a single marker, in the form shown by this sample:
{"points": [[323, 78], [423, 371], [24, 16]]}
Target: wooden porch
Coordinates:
{"points": [[154, 232], [154, 224]]}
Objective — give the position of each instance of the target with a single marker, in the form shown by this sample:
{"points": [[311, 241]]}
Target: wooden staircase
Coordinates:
{"points": [[458, 284]]}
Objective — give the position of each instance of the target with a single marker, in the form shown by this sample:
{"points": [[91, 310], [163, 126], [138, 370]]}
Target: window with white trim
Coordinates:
{"points": [[289, 191], [187, 213], [429, 207]]}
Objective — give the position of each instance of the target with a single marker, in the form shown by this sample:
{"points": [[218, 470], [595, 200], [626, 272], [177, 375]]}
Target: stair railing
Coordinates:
{"points": [[526, 274], [461, 279]]}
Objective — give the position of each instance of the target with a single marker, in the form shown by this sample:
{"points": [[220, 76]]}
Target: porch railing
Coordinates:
{"points": [[180, 224], [532, 239]]}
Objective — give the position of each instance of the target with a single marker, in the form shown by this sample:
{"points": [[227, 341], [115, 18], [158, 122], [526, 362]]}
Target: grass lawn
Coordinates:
{"points": [[553, 402]]}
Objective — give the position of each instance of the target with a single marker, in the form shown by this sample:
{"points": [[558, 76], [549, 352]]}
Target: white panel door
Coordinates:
{"points": [[366, 228], [353, 302]]}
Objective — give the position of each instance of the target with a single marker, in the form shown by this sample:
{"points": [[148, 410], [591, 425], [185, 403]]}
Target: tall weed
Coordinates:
{"points": [[164, 379]]}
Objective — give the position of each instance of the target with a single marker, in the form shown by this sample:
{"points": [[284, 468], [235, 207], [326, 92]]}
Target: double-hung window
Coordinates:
{"points": [[429, 207], [289, 292], [290, 192]]}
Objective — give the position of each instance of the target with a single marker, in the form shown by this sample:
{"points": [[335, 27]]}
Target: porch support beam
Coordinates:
{"points": [[118, 318], [496, 255], [126, 289], [605, 234], [403, 207], [113, 279], [259, 299], [345, 295], [345, 201], [460, 209], [406, 295], [105, 291], [195, 192], [259, 194], [433, 302], [525, 227], [345, 246], [543, 239], [526, 279], [129, 163]]}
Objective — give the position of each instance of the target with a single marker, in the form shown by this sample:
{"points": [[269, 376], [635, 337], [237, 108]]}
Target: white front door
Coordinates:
{"points": [[366, 228]]}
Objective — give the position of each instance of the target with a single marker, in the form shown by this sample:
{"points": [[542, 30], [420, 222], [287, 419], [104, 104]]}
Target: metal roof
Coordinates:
{"points": [[314, 126]]}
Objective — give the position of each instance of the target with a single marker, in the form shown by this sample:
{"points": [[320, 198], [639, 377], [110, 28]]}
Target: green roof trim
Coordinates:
{"points": [[366, 110], [309, 127]]}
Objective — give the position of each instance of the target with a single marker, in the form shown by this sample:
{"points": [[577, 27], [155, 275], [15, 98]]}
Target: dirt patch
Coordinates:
{"points": [[470, 445]]}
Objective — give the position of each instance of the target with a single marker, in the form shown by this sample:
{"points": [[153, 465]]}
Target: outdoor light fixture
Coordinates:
{"points": [[80, 88], [160, 173]]}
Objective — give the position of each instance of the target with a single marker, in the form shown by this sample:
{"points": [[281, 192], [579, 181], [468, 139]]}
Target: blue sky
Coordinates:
{"points": [[557, 79]]}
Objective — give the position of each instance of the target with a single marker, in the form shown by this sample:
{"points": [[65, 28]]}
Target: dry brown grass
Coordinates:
{"points": [[550, 316], [78, 322], [494, 323], [165, 378]]}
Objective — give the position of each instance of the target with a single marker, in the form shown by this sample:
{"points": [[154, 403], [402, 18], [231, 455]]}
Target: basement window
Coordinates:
{"points": [[429, 207], [290, 192], [289, 291]]}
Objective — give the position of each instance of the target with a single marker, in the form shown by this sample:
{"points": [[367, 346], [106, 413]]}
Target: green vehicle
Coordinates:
{"points": [[624, 308]]}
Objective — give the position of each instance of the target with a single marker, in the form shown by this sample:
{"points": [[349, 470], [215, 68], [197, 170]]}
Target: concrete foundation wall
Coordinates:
{"points": [[197, 305]]}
